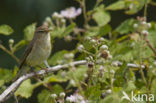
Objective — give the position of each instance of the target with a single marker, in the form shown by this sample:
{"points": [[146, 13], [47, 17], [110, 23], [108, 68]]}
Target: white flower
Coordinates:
{"points": [[71, 12]]}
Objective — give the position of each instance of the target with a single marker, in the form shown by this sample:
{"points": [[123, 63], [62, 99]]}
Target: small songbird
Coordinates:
{"points": [[37, 51]]}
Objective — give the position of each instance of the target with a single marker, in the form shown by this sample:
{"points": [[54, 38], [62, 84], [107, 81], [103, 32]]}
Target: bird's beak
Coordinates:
{"points": [[49, 30]]}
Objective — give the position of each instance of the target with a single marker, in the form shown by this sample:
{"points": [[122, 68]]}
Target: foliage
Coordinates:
{"points": [[107, 77]]}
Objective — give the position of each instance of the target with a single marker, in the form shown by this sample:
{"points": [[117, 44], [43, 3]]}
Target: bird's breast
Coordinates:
{"points": [[41, 51]]}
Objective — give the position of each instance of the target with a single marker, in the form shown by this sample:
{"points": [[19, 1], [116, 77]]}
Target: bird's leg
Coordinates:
{"points": [[45, 69], [46, 64]]}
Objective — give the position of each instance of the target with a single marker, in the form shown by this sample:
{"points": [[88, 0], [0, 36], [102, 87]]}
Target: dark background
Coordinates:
{"points": [[20, 13]]}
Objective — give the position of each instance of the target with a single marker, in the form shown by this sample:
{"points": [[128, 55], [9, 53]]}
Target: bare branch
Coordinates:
{"points": [[13, 87]]}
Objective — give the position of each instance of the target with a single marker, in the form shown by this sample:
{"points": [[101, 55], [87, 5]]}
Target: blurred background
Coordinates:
{"points": [[20, 13]]}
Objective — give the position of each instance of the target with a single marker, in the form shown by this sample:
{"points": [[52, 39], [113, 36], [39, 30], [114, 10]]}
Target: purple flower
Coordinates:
{"points": [[71, 12]]}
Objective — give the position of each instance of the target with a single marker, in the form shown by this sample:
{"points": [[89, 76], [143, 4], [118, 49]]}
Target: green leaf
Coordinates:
{"points": [[114, 98], [26, 89], [136, 5], [5, 29], [29, 32], [57, 89], [126, 26], [116, 6], [64, 31], [78, 73], [68, 29], [57, 58], [101, 16], [104, 30], [19, 45], [5, 76], [45, 97]]}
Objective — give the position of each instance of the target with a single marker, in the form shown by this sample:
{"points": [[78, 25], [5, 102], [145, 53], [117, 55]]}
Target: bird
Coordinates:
{"points": [[37, 51]]}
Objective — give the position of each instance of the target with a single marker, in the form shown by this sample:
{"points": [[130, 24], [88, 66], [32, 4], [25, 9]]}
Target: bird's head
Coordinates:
{"points": [[43, 29]]}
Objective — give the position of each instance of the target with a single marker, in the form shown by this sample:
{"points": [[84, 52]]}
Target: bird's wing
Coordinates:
{"points": [[27, 52]]}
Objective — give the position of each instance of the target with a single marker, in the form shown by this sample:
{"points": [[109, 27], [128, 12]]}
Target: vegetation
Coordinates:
{"points": [[107, 77]]}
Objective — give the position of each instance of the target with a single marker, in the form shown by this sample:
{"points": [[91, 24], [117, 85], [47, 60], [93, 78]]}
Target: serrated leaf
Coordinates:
{"points": [[126, 26], [45, 97], [5, 29], [26, 89], [5, 76], [101, 16], [116, 6], [57, 58], [29, 32], [78, 73]]}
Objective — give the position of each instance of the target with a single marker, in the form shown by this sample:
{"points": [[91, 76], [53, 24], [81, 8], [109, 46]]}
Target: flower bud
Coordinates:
{"points": [[53, 96], [81, 48], [93, 41], [90, 64], [55, 15], [62, 94], [145, 32], [109, 91], [68, 38], [148, 25], [48, 19], [104, 47], [72, 82], [112, 72], [143, 22], [11, 41], [88, 38], [102, 39], [135, 25], [63, 20], [104, 54]]}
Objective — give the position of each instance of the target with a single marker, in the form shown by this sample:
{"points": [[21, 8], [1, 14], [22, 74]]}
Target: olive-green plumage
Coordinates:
{"points": [[38, 50]]}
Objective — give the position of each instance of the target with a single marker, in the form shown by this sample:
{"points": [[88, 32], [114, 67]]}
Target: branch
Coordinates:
{"points": [[13, 87]]}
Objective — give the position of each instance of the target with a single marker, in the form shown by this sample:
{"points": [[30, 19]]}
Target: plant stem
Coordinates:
{"points": [[10, 53], [83, 5], [145, 8]]}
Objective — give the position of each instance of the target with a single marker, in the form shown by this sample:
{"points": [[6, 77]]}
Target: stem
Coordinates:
{"points": [[10, 53], [83, 5], [145, 8], [150, 45], [140, 59]]}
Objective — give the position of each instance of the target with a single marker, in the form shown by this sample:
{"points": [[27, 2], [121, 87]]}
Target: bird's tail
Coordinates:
{"points": [[21, 72]]}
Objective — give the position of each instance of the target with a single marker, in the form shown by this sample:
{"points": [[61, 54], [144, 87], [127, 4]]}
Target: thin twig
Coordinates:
{"points": [[10, 53]]}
